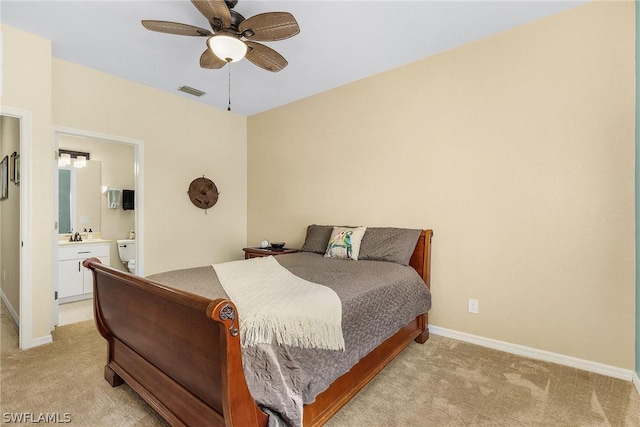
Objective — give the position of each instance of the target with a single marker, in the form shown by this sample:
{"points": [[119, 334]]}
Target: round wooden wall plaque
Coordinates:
{"points": [[203, 193]]}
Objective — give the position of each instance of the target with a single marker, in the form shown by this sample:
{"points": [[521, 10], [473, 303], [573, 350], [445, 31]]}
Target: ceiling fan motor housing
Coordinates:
{"points": [[231, 3], [236, 19]]}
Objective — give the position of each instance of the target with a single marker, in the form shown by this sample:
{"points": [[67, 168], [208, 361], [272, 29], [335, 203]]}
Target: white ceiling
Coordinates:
{"points": [[339, 41]]}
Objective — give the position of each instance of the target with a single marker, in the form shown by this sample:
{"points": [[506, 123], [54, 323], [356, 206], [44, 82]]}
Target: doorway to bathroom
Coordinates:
{"points": [[94, 170]]}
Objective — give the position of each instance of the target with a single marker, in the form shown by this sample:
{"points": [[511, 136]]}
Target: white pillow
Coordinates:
{"points": [[344, 242]]}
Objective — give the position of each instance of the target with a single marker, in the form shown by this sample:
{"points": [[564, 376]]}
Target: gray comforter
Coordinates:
{"points": [[378, 298]]}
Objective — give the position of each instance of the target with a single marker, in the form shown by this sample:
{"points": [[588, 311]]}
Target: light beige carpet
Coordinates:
{"points": [[441, 383]]}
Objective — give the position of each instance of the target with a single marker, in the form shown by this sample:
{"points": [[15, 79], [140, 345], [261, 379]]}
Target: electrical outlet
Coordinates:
{"points": [[473, 306]]}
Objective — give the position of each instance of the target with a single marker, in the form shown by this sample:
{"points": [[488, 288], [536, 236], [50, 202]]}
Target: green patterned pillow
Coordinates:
{"points": [[344, 242]]}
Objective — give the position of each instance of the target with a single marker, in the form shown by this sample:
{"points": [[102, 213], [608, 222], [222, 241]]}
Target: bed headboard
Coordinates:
{"points": [[421, 258]]}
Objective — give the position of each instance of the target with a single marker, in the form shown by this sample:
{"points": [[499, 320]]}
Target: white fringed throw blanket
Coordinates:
{"points": [[276, 306]]}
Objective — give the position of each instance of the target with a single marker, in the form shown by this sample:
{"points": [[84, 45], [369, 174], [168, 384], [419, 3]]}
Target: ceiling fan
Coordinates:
{"points": [[233, 36]]}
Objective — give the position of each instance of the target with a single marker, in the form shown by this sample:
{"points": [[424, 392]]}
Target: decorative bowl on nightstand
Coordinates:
{"points": [[277, 245]]}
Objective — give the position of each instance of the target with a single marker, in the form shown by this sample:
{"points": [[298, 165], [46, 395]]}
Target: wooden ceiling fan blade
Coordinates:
{"points": [[269, 26], [175, 28], [265, 57], [216, 12], [209, 60]]}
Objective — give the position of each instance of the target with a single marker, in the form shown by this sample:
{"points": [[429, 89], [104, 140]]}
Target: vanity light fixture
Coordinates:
{"points": [[80, 162], [64, 159], [79, 158]]}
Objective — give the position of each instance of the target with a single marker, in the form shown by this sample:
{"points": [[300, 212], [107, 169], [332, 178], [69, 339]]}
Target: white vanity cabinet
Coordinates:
{"points": [[74, 281]]}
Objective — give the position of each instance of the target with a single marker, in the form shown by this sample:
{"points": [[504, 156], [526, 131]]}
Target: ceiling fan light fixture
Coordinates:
{"points": [[227, 47]]}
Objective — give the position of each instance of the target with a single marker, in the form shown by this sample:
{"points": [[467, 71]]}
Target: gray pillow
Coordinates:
{"points": [[317, 238], [389, 244]]}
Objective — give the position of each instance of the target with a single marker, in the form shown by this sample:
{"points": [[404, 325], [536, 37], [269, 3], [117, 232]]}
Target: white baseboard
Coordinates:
{"points": [[636, 381], [534, 353], [12, 311], [47, 339]]}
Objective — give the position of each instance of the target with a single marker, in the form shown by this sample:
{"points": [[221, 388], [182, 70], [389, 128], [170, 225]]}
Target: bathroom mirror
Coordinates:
{"points": [[79, 198]]}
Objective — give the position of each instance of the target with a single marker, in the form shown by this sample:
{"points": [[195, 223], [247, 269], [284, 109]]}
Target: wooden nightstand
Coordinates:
{"points": [[258, 252]]}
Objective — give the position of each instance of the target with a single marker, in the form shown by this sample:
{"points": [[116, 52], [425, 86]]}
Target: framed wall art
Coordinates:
{"points": [[12, 166], [16, 169], [4, 178]]}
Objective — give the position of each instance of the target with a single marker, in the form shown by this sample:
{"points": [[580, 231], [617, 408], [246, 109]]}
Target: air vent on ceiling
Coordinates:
{"points": [[191, 91]]}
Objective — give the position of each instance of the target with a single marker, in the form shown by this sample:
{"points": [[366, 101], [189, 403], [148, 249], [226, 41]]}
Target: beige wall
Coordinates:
{"points": [[10, 219], [517, 150], [183, 140]]}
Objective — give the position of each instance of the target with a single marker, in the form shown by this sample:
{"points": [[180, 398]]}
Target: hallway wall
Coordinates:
{"points": [[10, 221]]}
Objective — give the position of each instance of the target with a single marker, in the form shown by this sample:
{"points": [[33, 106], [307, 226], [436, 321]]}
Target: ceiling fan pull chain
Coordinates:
{"points": [[229, 106]]}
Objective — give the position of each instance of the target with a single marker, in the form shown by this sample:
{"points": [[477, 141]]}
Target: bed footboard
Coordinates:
{"points": [[179, 351]]}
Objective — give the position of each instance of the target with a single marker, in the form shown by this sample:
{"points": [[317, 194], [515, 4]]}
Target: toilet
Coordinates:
{"points": [[127, 252]]}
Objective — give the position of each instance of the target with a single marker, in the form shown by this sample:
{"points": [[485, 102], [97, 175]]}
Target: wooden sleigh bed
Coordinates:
{"points": [[181, 352]]}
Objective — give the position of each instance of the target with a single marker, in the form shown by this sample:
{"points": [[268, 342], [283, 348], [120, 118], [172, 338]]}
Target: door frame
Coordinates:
{"points": [[25, 325], [138, 146]]}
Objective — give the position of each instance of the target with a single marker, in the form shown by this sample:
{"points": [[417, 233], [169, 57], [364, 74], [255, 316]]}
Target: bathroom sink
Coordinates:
{"points": [[66, 242]]}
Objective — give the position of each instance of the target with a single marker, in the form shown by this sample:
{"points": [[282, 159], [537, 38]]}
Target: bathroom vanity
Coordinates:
{"points": [[74, 281]]}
